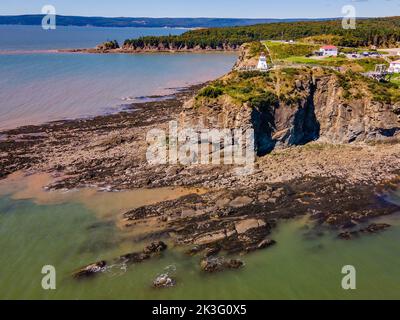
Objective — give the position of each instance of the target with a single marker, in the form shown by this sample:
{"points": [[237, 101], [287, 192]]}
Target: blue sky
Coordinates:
{"points": [[205, 8]]}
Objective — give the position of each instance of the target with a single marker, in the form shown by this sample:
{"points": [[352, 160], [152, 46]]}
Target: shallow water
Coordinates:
{"points": [[71, 233], [37, 87], [35, 38]]}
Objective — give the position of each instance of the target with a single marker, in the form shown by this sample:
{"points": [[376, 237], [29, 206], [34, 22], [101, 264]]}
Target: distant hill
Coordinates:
{"points": [[141, 22]]}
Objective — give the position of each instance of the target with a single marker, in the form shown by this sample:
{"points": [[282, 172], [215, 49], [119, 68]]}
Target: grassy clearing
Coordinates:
{"points": [[356, 65], [329, 61], [281, 50], [396, 79]]}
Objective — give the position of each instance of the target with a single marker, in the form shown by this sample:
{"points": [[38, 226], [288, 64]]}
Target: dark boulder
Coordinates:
{"points": [[209, 252], [135, 257], [346, 235], [372, 228], [155, 247], [215, 264], [375, 227], [261, 245]]}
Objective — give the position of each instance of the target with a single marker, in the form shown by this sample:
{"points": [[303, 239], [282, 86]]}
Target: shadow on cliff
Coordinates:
{"points": [[301, 128]]}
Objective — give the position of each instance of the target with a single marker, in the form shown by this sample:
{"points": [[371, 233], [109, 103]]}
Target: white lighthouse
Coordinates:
{"points": [[262, 63]]}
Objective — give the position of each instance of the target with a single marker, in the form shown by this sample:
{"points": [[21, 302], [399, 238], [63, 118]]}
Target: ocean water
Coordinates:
{"points": [[35, 38], [71, 229], [37, 87], [68, 232]]}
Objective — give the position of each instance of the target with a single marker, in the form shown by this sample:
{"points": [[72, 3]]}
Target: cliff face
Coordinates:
{"points": [[311, 104], [345, 120]]}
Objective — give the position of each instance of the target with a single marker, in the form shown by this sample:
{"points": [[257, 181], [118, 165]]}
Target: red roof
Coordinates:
{"points": [[328, 47]]}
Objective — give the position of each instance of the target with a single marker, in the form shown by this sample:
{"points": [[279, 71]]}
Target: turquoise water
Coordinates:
{"points": [[301, 266]]}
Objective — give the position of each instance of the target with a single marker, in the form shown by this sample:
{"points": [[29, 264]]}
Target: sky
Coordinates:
{"points": [[205, 8]]}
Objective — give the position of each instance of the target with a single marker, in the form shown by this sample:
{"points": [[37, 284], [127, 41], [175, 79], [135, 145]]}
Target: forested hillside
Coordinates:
{"points": [[382, 32]]}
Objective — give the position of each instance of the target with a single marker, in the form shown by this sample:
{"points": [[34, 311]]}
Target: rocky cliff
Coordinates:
{"points": [[294, 106]]}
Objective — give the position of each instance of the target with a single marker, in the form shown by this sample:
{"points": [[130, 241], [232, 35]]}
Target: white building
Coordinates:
{"points": [[394, 67], [262, 63], [329, 51]]}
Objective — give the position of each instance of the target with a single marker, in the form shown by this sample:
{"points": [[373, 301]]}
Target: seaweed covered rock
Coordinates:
{"points": [[164, 281], [89, 270], [216, 264], [155, 247]]}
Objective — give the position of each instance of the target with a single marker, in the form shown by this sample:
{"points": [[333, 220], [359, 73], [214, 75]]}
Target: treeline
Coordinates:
{"points": [[381, 32]]}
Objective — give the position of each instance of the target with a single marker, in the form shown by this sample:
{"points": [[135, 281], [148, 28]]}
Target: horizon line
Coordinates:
{"points": [[187, 17]]}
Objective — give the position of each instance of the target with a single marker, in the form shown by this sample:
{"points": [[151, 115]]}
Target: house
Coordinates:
{"points": [[394, 67], [262, 63], [328, 51]]}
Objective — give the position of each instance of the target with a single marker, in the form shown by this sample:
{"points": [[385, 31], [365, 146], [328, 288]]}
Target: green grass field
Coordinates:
{"points": [[396, 79], [281, 50]]}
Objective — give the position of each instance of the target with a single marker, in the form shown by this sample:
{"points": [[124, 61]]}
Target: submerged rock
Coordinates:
{"points": [[261, 245], [375, 227], [134, 257], [147, 253], [372, 228], [155, 247], [194, 250], [209, 252], [346, 235], [215, 264], [90, 270]]}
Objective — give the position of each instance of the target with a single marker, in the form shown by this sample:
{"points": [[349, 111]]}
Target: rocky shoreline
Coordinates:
{"points": [[129, 50], [340, 187]]}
